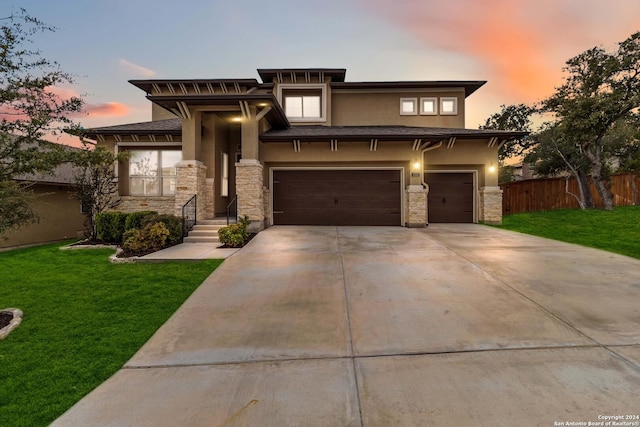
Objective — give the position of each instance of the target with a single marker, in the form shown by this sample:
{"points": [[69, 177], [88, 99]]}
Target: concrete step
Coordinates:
{"points": [[215, 221], [202, 239], [203, 233], [207, 227]]}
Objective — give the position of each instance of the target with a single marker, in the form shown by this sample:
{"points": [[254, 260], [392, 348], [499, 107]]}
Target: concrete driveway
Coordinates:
{"points": [[453, 325]]}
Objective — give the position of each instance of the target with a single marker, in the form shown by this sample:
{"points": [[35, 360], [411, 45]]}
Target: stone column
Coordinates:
{"points": [[417, 206], [491, 205], [191, 179], [250, 191], [209, 207]]}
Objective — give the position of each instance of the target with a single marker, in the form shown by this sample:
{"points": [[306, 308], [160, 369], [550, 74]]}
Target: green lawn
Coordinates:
{"points": [[83, 319], [615, 231]]}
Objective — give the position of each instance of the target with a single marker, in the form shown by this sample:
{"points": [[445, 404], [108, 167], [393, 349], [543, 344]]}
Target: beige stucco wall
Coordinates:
{"points": [[60, 218], [351, 108], [159, 113]]}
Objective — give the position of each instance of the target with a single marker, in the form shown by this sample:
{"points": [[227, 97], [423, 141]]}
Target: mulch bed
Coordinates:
{"points": [[5, 319]]}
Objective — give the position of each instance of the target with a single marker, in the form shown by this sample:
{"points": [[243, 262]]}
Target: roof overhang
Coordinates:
{"points": [[469, 86], [196, 86], [271, 75], [385, 133], [266, 105]]}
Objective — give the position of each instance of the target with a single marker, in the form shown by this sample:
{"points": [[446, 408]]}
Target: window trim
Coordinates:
{"points": [[414, 102], [282, 88], [455, 106], [433, 99]]}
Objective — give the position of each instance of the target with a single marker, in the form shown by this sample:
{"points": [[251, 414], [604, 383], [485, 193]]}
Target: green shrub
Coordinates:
{"points": [[173, 224], [134, 219], [235, 235], [151, 237], [110, 226]]}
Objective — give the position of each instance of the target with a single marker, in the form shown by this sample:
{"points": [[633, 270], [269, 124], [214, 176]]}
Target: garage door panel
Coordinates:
{"points": [[450, 197], [337, 197]]}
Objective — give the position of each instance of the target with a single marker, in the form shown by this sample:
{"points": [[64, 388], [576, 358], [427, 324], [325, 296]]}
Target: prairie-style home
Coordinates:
{"points": [[305, 146]]}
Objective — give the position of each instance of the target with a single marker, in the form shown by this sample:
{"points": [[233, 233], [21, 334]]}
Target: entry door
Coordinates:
{"points": [[450, 196]]}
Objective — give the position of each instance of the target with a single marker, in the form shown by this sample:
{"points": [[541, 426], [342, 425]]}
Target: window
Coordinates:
{"points": [[301, 106], [428, 106], [153, 172], [304, 102], [448, 106], [224, 172], [408, 106]]}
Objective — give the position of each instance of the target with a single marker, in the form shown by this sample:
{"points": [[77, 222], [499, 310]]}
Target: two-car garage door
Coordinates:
{"points": [[365, 197], [337, 197]]}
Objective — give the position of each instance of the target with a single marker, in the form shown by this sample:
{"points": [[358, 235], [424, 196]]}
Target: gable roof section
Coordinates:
{"points": [[387, 133]]}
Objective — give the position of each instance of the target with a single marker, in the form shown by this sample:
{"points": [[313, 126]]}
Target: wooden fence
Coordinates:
{"points": [[546, 194]]}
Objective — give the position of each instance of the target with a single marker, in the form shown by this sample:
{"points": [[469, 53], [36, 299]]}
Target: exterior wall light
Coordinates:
{"points": [[236, 119], [492, 168], [416, 165]]}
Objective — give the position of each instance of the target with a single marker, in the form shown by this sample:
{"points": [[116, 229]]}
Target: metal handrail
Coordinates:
{"points": [[189, 214], [234, 203]]}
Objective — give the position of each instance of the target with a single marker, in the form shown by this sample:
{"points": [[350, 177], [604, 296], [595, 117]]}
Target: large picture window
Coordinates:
{"points": [[153, 172]]}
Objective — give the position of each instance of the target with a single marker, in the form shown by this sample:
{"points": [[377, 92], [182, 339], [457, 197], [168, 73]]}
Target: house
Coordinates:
{"points": [[305, 146], [60, 215]]}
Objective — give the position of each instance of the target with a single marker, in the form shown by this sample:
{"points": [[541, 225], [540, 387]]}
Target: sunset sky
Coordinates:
{"points": [[519, 46]]}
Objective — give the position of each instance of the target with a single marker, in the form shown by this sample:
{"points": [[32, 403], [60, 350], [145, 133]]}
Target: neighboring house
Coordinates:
{"points": [[60, 214], [303, 146]]}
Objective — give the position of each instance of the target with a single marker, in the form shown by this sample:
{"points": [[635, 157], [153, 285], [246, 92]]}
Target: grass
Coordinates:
{"points": [[615, 231], [83, 319]]}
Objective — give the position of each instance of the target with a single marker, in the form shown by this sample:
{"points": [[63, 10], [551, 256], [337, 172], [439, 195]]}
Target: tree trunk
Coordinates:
{"points": [[602, 185], [585, 189]]}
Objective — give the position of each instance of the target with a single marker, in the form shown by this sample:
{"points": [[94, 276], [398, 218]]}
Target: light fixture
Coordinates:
{"points": [[416, 165], [236, 119], [492, 168]]}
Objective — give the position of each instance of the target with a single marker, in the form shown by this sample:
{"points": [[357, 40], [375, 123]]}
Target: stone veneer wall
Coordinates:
{"points": [[191, 179], [210, 203], [490, 205], [250, 191], [267, 207], [416, 206], [161, 204]]}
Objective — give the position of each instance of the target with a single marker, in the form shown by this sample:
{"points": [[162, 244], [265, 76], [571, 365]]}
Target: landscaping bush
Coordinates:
{"points": [[235, 235], [134, 219], [173, 224], [110, 226], [151, 237]]}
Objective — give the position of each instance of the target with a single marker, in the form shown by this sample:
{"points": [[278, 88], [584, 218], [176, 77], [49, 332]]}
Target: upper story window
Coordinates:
{"points": [[303, 102], [408, 106], [428, 106], [153, 172], [448, 106]]}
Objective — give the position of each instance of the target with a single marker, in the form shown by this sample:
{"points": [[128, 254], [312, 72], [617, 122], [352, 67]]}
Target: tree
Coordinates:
{"points": [[555, 152], [29, 110], [96, 183], [601, 89], [514, 118]]}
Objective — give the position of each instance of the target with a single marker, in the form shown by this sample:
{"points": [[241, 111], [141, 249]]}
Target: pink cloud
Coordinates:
{"points": [[522, 44], [106, 109]]}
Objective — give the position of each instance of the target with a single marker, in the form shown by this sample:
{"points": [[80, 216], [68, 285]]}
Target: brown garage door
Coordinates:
{"points": [[336, 197], [450, 197]]}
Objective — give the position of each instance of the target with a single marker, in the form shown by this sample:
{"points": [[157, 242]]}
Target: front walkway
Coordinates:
{"points": [[380, 326]]}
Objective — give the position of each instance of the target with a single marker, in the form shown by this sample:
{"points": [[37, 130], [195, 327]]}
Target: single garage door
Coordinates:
{"points": [[337, 197], [450, 197]]}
